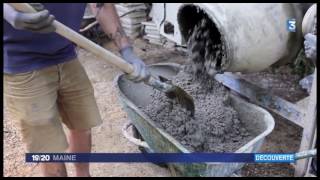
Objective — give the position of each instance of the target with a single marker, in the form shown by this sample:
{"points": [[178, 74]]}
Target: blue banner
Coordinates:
{"points": [[160, 157]]}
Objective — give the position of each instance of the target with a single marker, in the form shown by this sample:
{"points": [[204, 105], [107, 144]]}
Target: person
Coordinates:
{"points": [[44, 80], [310, 47], [309, 30]]}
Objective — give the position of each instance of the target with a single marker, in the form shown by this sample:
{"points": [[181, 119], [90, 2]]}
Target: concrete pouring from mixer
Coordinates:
{"points": [[252, 39]]}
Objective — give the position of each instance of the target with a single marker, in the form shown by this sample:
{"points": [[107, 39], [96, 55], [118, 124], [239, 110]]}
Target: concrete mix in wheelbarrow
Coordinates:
{"points": [[215, 126]]}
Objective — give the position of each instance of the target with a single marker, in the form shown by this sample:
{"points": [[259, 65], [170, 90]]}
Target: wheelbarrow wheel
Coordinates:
{"points": [[143, 150]]}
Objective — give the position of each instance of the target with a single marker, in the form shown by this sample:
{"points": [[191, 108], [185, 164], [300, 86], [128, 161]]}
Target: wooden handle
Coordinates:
{"points": [[80, 40]]}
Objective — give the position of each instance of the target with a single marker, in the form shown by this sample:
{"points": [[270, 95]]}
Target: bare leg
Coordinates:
{"points": [[80, 142], [53, 169]]}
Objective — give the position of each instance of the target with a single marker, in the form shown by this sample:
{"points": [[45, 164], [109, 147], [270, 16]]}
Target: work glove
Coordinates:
{"points": [[310, 46], [40, 22], [140, 72]]}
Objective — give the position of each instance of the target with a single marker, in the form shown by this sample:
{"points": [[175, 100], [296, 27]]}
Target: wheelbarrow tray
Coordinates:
{"points": [[134, 96]]}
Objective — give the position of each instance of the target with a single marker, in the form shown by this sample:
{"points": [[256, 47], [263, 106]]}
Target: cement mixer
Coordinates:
{"points": [[250, 37]]}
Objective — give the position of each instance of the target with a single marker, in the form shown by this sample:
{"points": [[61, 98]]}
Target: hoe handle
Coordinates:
{"points": [[93, 48], [80, 40]]}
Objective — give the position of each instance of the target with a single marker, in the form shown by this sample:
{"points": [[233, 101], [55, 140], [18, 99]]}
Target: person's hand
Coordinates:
{"points": [[140, 72], [40, 22], [310, 46]]}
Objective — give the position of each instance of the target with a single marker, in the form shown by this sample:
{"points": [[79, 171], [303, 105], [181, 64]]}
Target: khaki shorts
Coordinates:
{"points": [[39, 98]]}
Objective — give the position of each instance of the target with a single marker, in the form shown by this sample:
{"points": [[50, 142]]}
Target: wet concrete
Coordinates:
{"points": [[206, 49], [215, 126]]}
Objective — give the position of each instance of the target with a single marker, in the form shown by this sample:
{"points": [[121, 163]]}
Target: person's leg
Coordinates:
{"points": [[78, 110], [80, 142], [31, 98], [53, 170]]}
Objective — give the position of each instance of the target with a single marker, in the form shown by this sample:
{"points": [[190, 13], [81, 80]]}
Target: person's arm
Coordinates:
{"points": [[40, 22], [109, 21]]}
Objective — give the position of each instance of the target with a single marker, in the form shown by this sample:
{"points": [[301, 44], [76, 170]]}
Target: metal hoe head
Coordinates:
{"points": [[182, 97]]}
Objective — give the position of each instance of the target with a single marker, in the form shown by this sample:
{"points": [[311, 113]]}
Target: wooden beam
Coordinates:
{"points": [[263, 97], [308, 174], [309, 129]]}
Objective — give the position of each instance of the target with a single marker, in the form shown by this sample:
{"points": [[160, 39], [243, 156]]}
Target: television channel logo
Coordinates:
{"points": [[291, 25]]}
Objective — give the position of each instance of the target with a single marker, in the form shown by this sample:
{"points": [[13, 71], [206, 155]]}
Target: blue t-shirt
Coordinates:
{"points": [[26, 51]]}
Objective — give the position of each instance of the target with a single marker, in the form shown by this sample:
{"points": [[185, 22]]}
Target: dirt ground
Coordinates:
{"points": [[108, 136]]}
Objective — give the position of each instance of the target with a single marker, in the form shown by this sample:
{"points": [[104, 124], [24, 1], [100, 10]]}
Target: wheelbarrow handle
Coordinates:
{"points": [[306, 154], [80, 40]]}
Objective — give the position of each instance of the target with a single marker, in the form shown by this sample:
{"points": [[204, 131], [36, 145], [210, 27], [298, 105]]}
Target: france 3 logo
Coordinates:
{"points": [[291, 25]]}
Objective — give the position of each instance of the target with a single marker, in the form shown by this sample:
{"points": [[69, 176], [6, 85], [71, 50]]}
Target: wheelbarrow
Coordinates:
{"points": [[134, 96]]}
